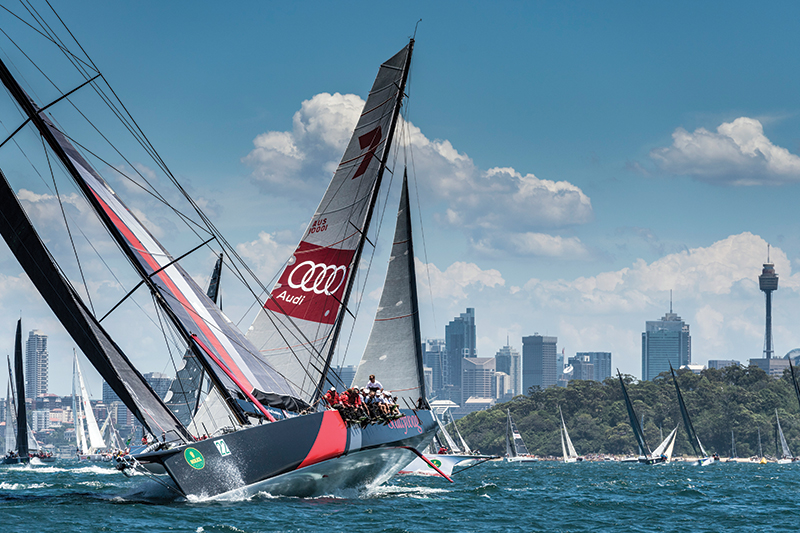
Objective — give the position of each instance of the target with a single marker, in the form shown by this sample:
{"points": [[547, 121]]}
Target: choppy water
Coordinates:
{"points": [[71, 497]]}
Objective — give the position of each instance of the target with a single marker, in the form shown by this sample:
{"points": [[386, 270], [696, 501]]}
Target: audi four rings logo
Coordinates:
{"points": [[318, 277]]}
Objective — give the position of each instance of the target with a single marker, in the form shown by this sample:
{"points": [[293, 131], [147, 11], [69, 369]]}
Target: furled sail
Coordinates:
{"points": [[19, 376], [79, 322], [644, 449], [694, 440], [186, 304], [394, 349], [297, 327]]}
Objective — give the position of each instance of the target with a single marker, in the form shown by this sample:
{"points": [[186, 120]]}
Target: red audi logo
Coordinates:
{"points": [[319, 277]]}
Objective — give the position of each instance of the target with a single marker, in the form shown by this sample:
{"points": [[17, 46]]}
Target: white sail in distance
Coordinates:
{"points": [[95, 437]]}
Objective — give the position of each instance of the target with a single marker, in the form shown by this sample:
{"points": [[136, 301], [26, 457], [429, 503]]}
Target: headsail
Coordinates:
{"points": [[297, 327], [644, 449], [394, 350], [694, 440]]}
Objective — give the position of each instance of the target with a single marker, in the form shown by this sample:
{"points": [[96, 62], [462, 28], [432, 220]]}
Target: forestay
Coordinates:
{"points": [[394, 349], [296, 329]]}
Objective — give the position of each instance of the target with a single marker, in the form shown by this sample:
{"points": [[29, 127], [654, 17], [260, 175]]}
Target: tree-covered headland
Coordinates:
{"points": [[736, 398]]}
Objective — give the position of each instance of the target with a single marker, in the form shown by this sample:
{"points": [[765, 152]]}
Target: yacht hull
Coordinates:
{"points": [[307, 455]]}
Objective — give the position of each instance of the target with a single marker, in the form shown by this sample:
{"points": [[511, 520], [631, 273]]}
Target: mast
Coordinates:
{"points": [[360, 248], [22, 416]]}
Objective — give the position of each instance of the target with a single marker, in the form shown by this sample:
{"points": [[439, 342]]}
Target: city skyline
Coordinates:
{"points": [[617, 177]]}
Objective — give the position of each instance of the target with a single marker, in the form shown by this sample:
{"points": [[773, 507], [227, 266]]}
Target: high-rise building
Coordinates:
{"points": [[582, 367], [601, 362], [36, 364], [434, 353], [460, 342], [478, 380], [539, 367], [719, 364], [508, 361], [664, 342], [159, 382]]}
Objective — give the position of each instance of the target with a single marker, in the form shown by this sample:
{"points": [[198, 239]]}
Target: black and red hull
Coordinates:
{"points": [[303, 456]]}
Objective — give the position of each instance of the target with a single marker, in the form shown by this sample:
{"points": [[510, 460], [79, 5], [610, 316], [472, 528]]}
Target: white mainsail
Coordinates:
{"points": [[570, 455], [785, 451], [96, 441], [296, 329]]}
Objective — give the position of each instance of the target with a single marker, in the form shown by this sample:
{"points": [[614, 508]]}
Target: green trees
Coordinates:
{"points": [[742, 399]]}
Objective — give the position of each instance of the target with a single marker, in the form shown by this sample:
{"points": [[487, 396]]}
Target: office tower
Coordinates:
{"points": [[665, 341], [601, 362], [478, 379], [719, 364], [582, 367], [538, 362], [434, 353], [159, 382], [508, 360], [36, 364], [460, 340]]}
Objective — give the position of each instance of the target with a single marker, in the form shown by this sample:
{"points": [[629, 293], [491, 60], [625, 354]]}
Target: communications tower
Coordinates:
{"points": [[768, 282]]}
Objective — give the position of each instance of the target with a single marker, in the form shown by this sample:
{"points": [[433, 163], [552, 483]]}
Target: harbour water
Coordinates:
{"points": [[497, 497]]}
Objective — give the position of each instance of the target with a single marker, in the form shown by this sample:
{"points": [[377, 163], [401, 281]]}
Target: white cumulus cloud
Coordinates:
{"points": [[498, 209], [738, 153]]}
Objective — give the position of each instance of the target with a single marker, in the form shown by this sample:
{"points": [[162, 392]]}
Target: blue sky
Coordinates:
{"points": [[575, 161]]}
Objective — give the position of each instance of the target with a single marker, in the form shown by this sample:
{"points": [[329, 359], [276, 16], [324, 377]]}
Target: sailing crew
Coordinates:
{"points": [[331, 397]]}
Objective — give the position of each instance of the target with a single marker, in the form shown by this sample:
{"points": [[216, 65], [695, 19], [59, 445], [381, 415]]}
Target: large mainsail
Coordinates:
{"points": [[569, 450], [297, 327], [394, 349], [694, 440], [187, 306], [644, 449], [516, 437]]}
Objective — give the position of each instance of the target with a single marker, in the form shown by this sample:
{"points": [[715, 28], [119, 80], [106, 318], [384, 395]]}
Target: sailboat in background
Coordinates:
{"points": [[25, 446], [90, 443], [267, 426], [786, 453], [694, 440], [645, 455], [516, 451], [567, 449]]}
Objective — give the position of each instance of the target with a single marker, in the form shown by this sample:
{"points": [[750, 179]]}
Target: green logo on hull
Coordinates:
{"points": [[194, 458]]}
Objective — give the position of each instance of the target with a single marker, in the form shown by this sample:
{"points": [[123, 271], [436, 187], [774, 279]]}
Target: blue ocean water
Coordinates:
{"points": [[497, 497]]}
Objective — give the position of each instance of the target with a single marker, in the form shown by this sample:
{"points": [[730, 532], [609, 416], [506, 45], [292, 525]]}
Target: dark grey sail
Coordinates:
{"points": [[694, 440], [22, 415], [794, 381], [80, 323], [644, 449], [394, 349], [184, 395]]}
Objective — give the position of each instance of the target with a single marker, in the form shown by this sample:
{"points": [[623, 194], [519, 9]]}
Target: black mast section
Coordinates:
{"points": [[22, 415], [357, 258]]}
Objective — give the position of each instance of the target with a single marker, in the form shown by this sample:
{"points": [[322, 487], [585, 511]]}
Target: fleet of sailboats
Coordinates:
{"points": [[663, 452]]}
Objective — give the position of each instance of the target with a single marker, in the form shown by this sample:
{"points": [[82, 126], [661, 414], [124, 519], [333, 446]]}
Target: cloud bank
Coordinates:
{"points": [[500, 210], [738, 154]]}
